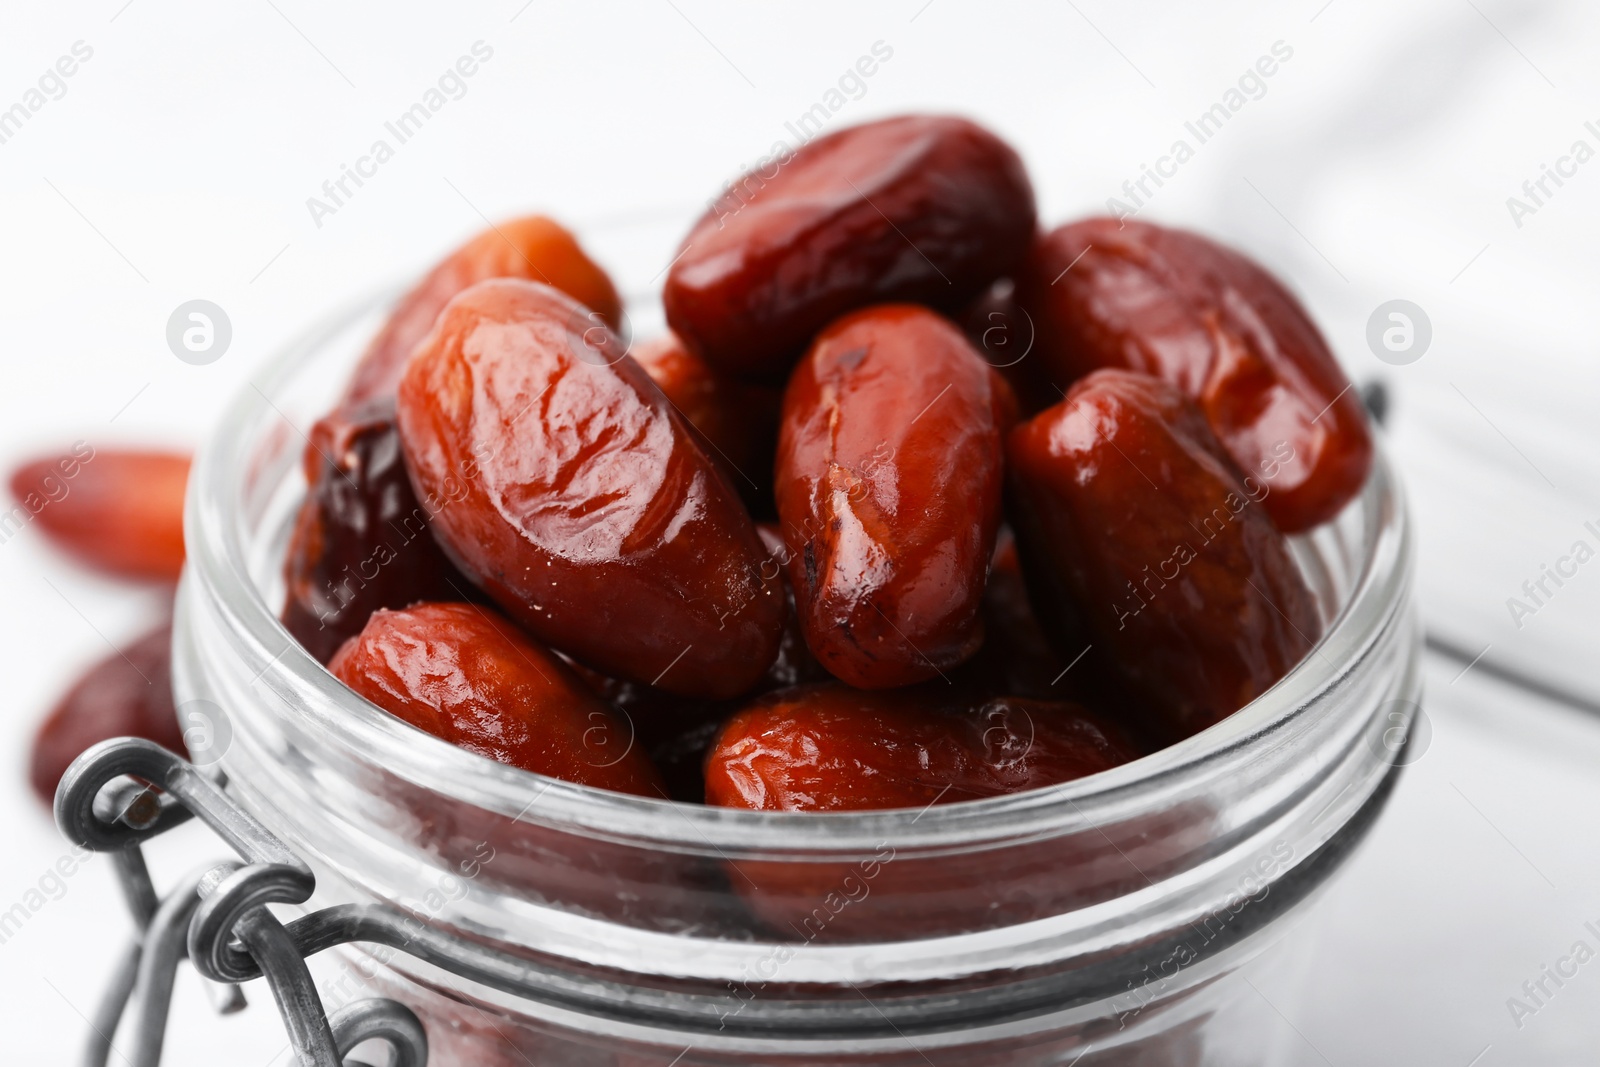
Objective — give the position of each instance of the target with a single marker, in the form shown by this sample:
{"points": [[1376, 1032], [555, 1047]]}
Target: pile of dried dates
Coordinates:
{"points": [[915, 503]]}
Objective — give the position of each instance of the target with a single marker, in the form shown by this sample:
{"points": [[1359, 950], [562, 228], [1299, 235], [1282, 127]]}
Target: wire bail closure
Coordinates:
{"points": [[218, 917]]}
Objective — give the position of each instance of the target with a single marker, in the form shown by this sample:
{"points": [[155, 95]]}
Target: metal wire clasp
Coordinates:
{"points": [[121, 793]]}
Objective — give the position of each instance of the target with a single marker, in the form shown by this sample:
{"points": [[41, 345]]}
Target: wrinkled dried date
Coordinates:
{"points": [[127, 694], [361, 539], [923, 208], [560, 480], [889, 482], [532, 247], [1138, 535], [120, 512], [832, 748], [739, 421], [469, 677], [1110, 293]]}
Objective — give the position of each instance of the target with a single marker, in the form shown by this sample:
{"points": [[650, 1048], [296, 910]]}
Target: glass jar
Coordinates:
{"points": [[1140, 915]]}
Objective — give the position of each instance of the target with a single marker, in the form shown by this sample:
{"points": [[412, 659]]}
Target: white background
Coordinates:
{"points": [[1376, 165]]}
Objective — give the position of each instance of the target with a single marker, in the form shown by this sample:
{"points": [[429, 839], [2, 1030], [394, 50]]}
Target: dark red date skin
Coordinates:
{"points": [[889, 483], [739, 422], [832, 748], [1138, 535], [119, 512], [561, 481], [468, 676], [361, 540], [127, 694], [921, 208], [1104, 293], [531, 247]]}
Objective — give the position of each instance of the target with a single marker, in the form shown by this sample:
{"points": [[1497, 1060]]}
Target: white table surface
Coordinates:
{"points": [[1376, 165]]}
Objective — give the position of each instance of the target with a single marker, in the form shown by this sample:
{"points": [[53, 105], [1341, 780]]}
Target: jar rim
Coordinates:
{"points": [[215, 538]]}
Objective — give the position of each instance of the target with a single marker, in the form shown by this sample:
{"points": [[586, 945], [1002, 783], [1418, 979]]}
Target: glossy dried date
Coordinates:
{"points": [[889, 482], [1137, 535], [560, 480], [470, 677], [923, 208], [361, 540], [832, 748], [532, 247], [120, 512], [127, 694], [1109, 293]]}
